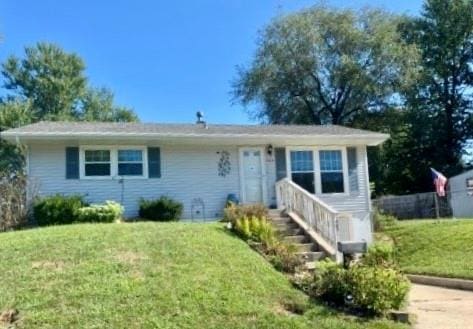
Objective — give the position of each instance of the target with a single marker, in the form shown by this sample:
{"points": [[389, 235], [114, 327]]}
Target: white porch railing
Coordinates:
{"points": [[331, 225]]}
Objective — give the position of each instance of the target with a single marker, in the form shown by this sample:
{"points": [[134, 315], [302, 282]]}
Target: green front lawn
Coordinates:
{"points": [[435, 247], [150, 275]]}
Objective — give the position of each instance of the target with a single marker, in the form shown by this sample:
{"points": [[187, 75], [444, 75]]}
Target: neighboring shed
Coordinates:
{"points": [[461, 190]]}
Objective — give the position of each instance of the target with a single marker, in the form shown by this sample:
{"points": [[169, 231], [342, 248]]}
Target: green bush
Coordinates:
{"points": [[376, 290], [57, 209], [101, 213], [284, 257], [233, 212], [242, 228], [257, 229], [330, 282], [379, 254], [162, 209]]}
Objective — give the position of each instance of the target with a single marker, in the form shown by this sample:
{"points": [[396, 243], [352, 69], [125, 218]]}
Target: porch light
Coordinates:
{"points": [[270, 149]]}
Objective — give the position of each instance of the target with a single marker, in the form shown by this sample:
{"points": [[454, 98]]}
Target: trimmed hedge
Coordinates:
{"points": [[162, 209], [61, 209], [58, 209], [109, 212]]}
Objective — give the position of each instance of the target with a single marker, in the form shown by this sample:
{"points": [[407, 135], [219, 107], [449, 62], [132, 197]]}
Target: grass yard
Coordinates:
{"points": [[435, 247], [150, 275]]}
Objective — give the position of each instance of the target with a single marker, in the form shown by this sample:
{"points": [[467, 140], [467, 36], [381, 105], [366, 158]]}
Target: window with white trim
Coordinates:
{"points": [[303, 170], [331, 171], [130, 162], [100, 162], [97, 163]]}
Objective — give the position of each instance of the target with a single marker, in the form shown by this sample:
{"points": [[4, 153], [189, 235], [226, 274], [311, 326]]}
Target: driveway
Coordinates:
{"points": [[440, 308]]}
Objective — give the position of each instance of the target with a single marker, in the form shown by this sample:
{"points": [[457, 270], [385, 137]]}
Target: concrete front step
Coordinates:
{"points": [[279, 220], [311, 256], [275, 212], [305, 247], [301, 238], [285, 225], [290, 230]]}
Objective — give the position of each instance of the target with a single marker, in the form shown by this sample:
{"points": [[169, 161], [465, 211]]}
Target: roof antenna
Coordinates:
{"points": [[200, 117]]}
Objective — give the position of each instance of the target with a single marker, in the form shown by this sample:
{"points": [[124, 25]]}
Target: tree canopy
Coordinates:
{"points": [[54, 84], [411, 77], [49, 83], [50, 78], [325, 65]]}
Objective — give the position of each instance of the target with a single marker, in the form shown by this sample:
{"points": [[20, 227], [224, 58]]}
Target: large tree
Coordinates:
{"points": [[325, 65], [50, 78], [50, 84], [441, 102], [53, 82], [98, 105]]}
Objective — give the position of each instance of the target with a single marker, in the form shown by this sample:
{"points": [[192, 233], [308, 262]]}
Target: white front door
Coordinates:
{"points": [[252, 174]]}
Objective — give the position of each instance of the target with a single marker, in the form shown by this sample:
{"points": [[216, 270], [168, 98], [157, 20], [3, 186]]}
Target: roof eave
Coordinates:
{"points": [[27, 137]]}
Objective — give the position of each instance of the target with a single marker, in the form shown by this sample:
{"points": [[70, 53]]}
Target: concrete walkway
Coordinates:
{"points": [[440, 308]]}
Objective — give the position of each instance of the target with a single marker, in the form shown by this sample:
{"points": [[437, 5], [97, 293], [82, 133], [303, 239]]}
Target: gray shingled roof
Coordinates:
{"points": [[126, 129]]}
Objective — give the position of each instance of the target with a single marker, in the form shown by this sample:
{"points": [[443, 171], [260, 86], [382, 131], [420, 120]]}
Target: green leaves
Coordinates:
{"points": [[48, 77], [49, 83], [325, 65]]}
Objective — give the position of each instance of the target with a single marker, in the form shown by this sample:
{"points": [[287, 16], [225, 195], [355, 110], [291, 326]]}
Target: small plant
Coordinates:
{"points": [[233, 212], [58, 209], [101, 213], [162, 209], [257, 229], [284, 257], [242, 228], [379, 254], [375, 289]]}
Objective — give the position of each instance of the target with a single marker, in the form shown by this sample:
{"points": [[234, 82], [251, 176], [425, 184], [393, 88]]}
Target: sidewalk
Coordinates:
{"points": [[441, 308]]}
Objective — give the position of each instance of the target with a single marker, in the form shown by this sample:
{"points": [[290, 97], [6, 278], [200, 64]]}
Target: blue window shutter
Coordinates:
{"points": [[280, 155], [72, 163], [352, 169], [154, 162]]}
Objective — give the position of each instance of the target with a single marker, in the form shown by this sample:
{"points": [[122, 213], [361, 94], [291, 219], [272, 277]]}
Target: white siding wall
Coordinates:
{"points": [[461, 201], [187, 172], [358, 203], [355, 202]]}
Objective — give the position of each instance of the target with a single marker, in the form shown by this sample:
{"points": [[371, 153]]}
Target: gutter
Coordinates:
{"points": [[10, 136]]}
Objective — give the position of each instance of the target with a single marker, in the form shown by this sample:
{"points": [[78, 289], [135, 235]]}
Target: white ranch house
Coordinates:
{"points": [[200, 165]]}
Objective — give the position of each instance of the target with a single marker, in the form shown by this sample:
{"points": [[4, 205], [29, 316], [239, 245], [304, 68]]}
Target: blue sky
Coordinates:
{"points": [[165, 59]]}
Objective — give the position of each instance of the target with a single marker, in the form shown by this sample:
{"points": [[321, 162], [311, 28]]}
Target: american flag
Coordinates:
{"points": [[440, 181]]}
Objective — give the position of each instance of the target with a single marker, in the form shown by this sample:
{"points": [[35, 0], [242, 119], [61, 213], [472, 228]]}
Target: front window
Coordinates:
{"points": [[130, 162], [331, 171], [302, 169], [97, 163]]}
